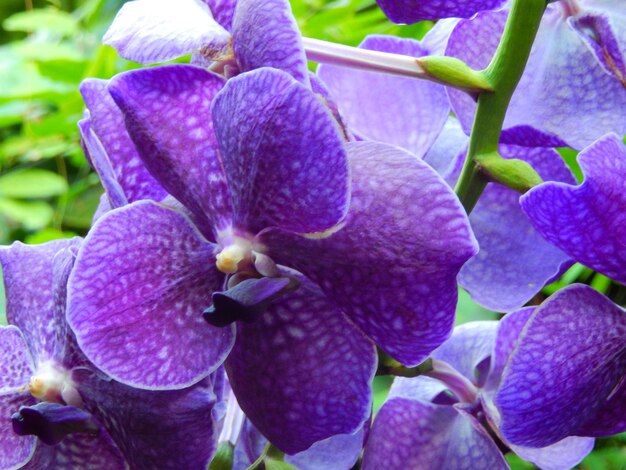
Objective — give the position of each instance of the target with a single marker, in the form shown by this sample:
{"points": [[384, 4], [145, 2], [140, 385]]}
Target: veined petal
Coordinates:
{"points": [[33, 305], [563, 92], [402, 111], [135, 299], [412, 11], [265, 34], [302, 372], [167, 111], [588, 222], [15, 451], [334, 453], [148, 31], [422, 436], [120, 160], [392, 265], [282, 152], [567, 453], [172, 429], [514, 261], [223, 11], [569, 360]]}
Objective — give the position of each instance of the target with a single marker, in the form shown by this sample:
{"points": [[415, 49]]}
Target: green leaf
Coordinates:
{"points": [[224, 457], [48, 19], [272, 464], [32, 183], [46, 235], [32, 215], [3, 302], [467, 310]]}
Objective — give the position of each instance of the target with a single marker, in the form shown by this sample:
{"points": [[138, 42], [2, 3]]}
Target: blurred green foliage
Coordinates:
{"points": [[47, 189]]}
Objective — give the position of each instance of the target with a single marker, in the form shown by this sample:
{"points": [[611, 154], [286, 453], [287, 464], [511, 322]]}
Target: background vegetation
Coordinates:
{"points": [[47, 189]]}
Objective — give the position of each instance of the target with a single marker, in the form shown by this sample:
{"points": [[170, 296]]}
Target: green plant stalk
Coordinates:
{"points": [[503, 73]]}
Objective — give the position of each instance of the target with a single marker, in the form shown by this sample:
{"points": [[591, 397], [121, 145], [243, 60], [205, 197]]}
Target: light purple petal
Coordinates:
{"points": [[148, 31], [283, 154], [469, 345], [588, 222], [402, 111], [223, 11], [385, 267], [335, 453], [577, 102], [514, 261], [569, 359], [30, 289], [566, 453], [265, 34], [120, 160], [154, 429], [136, 295], [421, 388], [302, 372], [167, 112], [509, 329], [423, 436], [412, 11], [17, 364], [447, 153]]}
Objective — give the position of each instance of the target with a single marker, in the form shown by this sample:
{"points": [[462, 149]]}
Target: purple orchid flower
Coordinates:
{"points": [[588, 222], [567, 375], [65, 413], [268, 184], [448, 419], [578, 55], [511, 267], [230, 36], [412, 11]]}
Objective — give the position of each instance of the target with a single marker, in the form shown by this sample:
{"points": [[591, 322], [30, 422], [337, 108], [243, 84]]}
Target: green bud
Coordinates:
{"points": [[514, 173], [455, 72]]}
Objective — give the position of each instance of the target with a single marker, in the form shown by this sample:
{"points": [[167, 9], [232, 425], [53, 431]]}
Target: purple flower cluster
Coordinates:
{"points": [[265, 230]]}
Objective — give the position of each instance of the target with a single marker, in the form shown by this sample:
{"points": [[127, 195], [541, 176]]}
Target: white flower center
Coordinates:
{"points": [[53, 382]]}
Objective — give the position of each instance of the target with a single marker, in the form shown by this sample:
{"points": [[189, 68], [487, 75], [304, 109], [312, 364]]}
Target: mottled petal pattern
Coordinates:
{"points": [[223, 11], [17, 364], [302, 372], [558, 378], [31, 304], [335, 453], [265, 34], [148, 31], [412, 11], [422, 436], [392, 267], [403, 111], [158, 429], [563, 92], [282, 152], [167, 111], [141, 281], [588, 222], [514, 261], [121, 159], [566, 453], [15, 450]]}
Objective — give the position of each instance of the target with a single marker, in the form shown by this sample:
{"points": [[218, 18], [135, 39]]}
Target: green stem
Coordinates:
{"points": [[503, 73]]}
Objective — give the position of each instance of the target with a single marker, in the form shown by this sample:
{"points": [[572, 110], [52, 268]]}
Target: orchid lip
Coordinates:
{"points": [[53, 383]]}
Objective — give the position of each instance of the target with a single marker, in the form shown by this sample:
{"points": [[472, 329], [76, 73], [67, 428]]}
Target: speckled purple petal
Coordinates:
{"points": [[154, 429], [422, 436], [148, 31], [469, 345], [402, 111], [265, 34], [136, 295], [223, 11], [578, 102], [30, 289], [588, 221], [302, 372], [570, 357], [15, 450], [509, 329], [447, 153], [611, 416], [392, 267], [17, 364], [120, 161], [566, 453], [168, 115], [412, 11], [283, 154], [335, 453], [514, 261], [79, 451]]}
